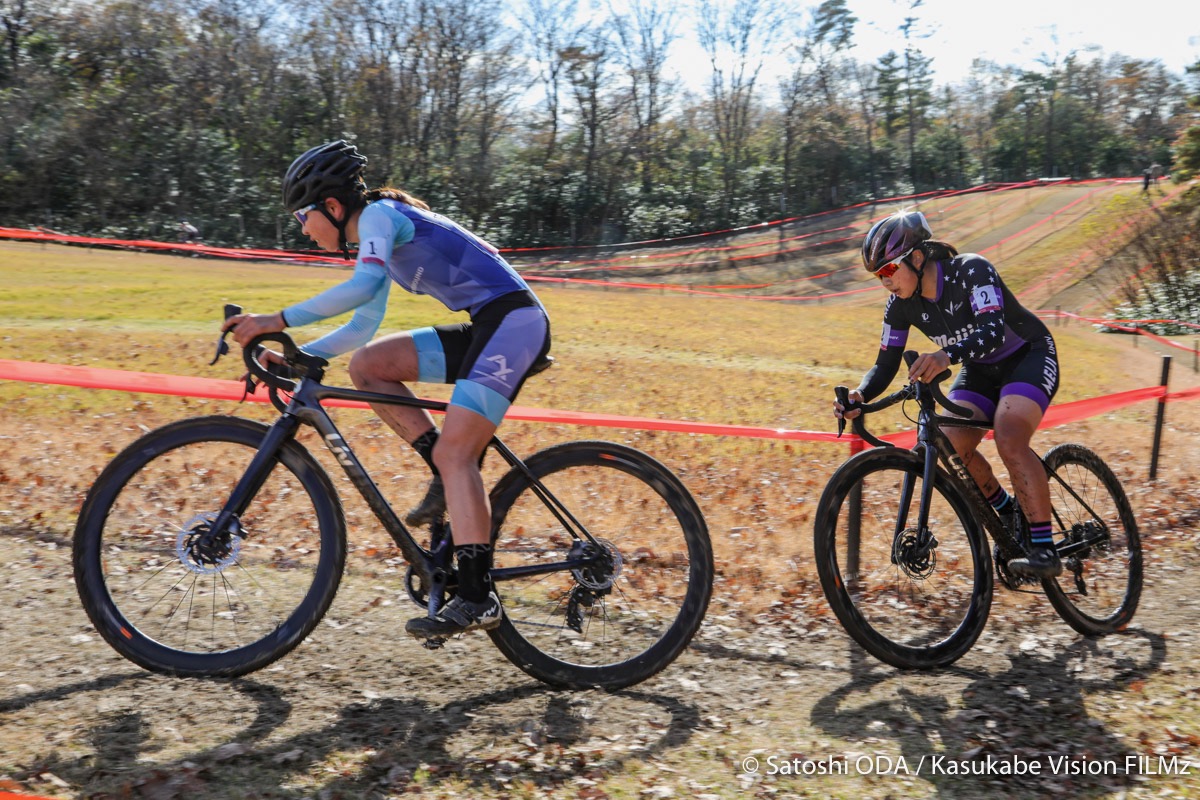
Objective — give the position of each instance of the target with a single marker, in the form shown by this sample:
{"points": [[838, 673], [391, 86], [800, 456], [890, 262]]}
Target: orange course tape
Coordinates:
{"points": [[211, 388], [184, 386]]}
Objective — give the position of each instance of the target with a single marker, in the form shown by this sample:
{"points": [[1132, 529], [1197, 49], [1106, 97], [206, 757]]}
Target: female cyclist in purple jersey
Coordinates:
{"points": [[1009, 363], [487, 359]]}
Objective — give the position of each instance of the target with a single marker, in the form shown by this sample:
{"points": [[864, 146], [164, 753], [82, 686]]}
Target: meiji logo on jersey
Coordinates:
{"points": [[959, 335], [1050, 370]]}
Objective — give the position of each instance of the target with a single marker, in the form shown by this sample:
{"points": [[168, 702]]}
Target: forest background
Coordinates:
{"points": [[535, 122]]}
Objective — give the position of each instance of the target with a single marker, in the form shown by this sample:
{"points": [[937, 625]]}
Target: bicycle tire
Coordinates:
{"points": [[1111, 574], [656, 595], [886, 606], [146, 590]]}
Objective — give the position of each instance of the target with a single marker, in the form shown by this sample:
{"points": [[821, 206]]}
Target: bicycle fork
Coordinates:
{"points": [[915, 548], [228, 518]]}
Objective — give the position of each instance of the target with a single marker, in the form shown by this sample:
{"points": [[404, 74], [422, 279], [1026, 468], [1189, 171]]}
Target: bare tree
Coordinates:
{"points": [[644, 33], [917, 81], [814, 115], [735, 41], [554, 28]]}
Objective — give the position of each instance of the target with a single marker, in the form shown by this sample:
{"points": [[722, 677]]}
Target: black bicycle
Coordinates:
{"points": [[903, 557], [211, 547]]}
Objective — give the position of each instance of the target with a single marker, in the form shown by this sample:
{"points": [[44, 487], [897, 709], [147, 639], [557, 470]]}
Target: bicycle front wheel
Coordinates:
{"points": [[174, 597], [910, 598], [1101, 583], [629, 613]]}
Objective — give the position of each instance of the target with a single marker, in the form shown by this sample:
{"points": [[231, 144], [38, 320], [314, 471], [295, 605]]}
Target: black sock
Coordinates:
{"points": [[424, 447], [474, 571]]}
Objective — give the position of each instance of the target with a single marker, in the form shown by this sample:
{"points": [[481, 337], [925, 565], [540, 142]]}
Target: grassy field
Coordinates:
{"points": [[641, 354]]}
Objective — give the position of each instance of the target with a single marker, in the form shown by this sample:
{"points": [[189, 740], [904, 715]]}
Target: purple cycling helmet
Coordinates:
{"points": [[893, 238]]}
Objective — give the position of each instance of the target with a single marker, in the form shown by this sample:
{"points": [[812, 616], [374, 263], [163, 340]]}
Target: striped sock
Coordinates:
{"points": [[1000, 500], [1042, 534]]}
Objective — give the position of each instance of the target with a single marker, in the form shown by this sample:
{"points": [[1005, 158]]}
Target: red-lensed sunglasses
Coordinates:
{"points": [[889, 269]]}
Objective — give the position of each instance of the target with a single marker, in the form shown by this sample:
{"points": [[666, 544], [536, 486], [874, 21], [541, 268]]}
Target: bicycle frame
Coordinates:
{"points": [[932, 441], [432, 566], [934, 445]]}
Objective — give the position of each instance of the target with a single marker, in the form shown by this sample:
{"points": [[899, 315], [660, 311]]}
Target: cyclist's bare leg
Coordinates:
{"points": [[384, 366], [456, 454], [966, 442], [1017, 418], [464, 436]]}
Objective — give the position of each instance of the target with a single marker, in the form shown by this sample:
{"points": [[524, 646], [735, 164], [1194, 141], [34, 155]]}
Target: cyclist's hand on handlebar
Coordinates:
{"points": [[840, 411], [274, 362], [928, 366], [247, 326]]}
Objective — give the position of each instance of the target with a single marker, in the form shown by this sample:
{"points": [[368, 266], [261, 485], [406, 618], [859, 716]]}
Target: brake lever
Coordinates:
{"points": [[843, 396], [231, 310]]}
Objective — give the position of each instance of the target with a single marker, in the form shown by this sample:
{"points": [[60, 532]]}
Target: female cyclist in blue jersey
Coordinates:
{"points": [[487, 359], [1009, 364]]}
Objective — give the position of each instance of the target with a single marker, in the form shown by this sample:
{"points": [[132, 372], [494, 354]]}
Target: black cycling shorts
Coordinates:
{"points": [[488, 358], [1030, 372]]}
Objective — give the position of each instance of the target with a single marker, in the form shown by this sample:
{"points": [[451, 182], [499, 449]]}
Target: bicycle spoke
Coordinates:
{"points": [[1101, 581], [635, 576], [912, 598], [172, 594]]}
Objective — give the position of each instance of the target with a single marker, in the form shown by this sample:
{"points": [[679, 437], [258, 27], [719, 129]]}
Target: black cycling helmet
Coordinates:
{"points": [[333, 169], [894, 237]]}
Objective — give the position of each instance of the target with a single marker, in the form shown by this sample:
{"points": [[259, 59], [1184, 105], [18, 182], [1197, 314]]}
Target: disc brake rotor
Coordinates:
{"points": [[602, 573], [206, 557]]}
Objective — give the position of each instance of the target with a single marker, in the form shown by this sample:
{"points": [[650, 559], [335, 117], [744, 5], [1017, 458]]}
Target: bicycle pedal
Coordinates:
{"points": [[433, 644]]}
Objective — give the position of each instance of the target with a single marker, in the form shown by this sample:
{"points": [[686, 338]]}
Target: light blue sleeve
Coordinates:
{"points": [[358, 330], [366, 291], [381, 228]]}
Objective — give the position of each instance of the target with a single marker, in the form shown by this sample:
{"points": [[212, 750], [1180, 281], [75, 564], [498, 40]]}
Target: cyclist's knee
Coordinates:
{"points": [[359, 369], [1012, 446], [965, 441], [450, 455], [383, 361]]}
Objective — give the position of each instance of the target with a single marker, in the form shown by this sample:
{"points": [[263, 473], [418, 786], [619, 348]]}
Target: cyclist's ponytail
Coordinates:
{"points": [[392, 193], [938, 251]]}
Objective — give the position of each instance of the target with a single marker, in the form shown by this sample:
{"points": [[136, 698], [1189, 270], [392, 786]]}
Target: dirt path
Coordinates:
{"points": [[359, 711]]}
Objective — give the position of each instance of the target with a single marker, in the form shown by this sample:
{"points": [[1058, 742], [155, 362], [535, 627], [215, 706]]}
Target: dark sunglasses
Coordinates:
{"points": [[301, 215]]}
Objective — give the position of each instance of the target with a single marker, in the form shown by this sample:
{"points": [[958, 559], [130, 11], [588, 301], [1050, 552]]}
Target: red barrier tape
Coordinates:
{"points": [[11, 796], [670, 287], [215, 389], [1075, 411], [318, 257], [1130, 326]]}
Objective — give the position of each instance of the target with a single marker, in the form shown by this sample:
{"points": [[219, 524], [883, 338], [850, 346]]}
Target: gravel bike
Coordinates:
{"points": [[212, 547], [902, 552]]}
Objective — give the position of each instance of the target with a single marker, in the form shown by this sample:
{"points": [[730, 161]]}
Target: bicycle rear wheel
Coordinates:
{"points": [[910, 602], [170, 600], [1101, 583], [623, 619]]}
